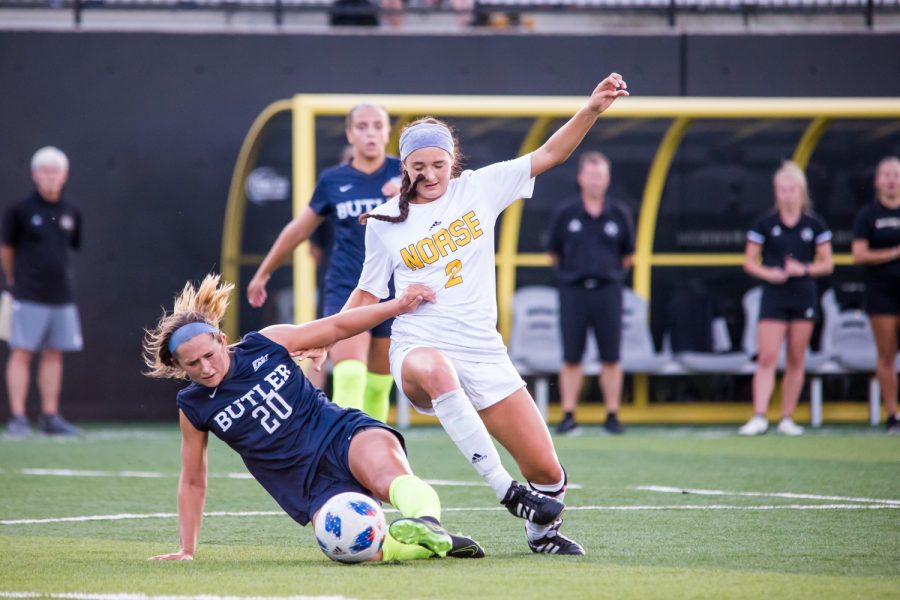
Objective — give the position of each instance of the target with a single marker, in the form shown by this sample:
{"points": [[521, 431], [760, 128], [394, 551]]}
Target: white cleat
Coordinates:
{"points": [[757, 425], [787, 427]]}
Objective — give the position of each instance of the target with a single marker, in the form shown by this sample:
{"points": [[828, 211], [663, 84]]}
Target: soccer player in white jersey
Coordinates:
{"points": [[448, 358]]}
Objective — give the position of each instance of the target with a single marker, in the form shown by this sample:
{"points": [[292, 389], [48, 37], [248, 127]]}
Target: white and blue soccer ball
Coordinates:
{"points": [[350, 528]]}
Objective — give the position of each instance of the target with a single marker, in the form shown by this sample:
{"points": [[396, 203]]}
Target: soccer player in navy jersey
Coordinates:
{"points": [[361, 371], [786, 248], [300, 447]]}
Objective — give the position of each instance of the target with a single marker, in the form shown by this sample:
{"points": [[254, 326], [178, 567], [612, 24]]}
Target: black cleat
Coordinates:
{"points": [[524, 502], [463, 546], [554, 542], [612, 424], [568, 426]]}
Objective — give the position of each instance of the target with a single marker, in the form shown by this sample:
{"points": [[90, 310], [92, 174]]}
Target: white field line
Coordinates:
{"points": [[624, 508], [155, 474], [131, 596], [677, 490], [83, 473]]}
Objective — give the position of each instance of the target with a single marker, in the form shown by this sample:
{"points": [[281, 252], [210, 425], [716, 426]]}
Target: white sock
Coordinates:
{"points": [[556, 490], [462, 423]]}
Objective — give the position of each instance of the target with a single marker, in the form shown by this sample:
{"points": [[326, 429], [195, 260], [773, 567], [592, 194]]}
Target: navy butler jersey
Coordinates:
{"points": [[342, 194], [269, 413]]}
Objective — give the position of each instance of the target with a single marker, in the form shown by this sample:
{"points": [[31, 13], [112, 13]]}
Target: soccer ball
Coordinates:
{"points": [[350, 528]]}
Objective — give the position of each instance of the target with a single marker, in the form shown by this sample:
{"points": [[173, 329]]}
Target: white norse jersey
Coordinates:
{"points": [[448, 245]]}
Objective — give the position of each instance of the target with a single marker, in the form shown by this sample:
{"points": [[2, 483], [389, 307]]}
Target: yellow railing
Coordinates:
{"points": [[683, 113]]}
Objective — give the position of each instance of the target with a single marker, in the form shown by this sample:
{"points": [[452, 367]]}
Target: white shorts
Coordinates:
{"points": [[485, 384]]}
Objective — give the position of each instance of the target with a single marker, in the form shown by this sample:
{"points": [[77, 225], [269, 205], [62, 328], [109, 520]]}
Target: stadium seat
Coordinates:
{"points": [[638, 352], [721, 360], [535, 342]]}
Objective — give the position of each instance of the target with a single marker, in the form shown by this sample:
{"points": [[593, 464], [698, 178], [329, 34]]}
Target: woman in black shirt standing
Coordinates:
{"points": [[876, 245], [786, 248]]}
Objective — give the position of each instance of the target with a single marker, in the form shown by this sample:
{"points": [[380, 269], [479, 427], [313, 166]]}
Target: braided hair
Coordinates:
{"points": [[407, 186]]}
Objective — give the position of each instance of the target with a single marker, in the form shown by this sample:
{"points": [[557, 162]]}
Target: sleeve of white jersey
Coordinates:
{"points": [[506, 181], [377, 268]]}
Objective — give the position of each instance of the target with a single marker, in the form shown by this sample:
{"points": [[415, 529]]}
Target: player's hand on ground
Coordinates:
{"points": [[606, 92], [794, 268], [413, 296], [256, 291], [317, 355], [180, 555]]}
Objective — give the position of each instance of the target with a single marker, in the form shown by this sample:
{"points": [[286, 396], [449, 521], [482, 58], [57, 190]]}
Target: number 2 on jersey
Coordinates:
{"points": [[452, 270]]}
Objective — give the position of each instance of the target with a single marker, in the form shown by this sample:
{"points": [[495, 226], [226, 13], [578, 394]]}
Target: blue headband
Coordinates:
{"points": [[186, 332], [425, 135]]}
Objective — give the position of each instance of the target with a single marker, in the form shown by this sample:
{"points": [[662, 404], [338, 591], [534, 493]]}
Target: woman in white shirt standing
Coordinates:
{"points": [[448, 359]]}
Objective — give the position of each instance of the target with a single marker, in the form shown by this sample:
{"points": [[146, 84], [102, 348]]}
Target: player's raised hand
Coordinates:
{"points": [[606, 92], [413, 296], [180, 555]]}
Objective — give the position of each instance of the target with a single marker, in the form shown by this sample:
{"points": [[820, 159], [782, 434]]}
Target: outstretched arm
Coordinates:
{"points": [[295, 232], [191, 489], [562, 143], [348, 322]]}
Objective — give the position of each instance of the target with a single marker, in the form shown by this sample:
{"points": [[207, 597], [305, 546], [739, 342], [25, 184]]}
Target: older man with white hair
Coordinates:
{"points": [[38, 233]]}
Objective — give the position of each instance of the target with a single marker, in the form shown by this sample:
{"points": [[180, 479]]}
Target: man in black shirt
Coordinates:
{"points": [[37, 235], [591, 243]]}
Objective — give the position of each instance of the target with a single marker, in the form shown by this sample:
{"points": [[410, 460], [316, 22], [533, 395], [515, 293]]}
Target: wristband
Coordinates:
{"points": [[806, 269]]}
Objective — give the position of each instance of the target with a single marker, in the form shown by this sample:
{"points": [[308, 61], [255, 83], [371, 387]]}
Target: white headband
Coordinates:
{"points": [[425, 135]]}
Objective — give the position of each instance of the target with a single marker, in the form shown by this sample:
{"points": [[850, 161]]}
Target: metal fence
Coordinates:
{"points": [[867, 10]]}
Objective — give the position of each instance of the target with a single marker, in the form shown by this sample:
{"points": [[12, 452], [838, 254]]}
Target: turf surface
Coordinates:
{"points": [[641, 543]]}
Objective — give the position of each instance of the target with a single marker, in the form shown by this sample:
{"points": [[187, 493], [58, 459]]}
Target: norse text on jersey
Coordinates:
{"points": [[442, 242]]}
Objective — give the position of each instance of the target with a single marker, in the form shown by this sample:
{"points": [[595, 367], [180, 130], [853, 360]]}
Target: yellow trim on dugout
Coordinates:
{"points": [[509, 236], [233, 229], [809, 140], [683, 111]]}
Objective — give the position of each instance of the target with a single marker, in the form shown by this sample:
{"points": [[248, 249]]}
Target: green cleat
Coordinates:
{"points": [[410, 530], [463, 545]]}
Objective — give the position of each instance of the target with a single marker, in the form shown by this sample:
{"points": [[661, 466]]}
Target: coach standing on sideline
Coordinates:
{"points": [[591, 244], [37, 235]]}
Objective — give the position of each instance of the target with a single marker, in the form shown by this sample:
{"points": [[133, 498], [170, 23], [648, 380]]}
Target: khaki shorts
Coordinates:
{"points": [[485, 384]]}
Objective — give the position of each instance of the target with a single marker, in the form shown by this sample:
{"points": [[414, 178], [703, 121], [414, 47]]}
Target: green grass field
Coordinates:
{"points": [[640, 543]]}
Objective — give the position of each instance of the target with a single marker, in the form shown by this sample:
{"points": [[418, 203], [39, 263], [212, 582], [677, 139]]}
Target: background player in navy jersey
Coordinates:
{"points": [[300, 447], [876, 244], [361, 370], [786, 248]]}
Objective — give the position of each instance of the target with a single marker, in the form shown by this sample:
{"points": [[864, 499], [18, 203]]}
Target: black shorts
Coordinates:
{"points": [[883, 297], [596, 306], [333, 475], [788, 305]]}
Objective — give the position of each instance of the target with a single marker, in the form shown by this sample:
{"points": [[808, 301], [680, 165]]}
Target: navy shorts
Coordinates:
{"points": [[333, 475], [883, 297], [597, 305], [787, 305]]}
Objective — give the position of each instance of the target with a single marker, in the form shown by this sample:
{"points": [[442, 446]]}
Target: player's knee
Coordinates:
{"points": [[767, 360], [544, 472], [432, 371]]}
